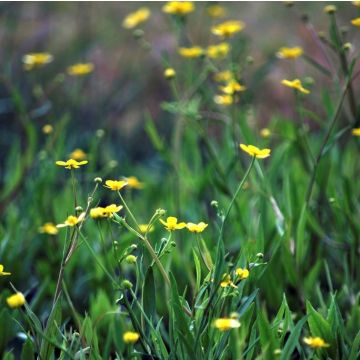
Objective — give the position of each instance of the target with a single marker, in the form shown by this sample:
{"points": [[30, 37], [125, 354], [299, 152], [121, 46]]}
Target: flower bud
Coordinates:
{"points": [[98, 180], [126, 284], [131, 259]]}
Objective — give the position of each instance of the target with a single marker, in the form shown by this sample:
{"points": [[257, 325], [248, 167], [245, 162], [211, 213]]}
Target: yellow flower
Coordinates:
{"points": [[131, 337], [72, 220], [16, 300], [80, 69], [169, 73], [315, 342], [228, 28], [224, 100], [47, 129], [356, 21], [48, 228], [105, 212], [115, 185], [226, 281], [330, 9], [34, 60], [295, 84], [134, 19], [265, 133], [356, 131], [144, 228], [71, 164], [356, 3], [224, 324], [171, 224], [242, 273], [216, 11], [178, 7], [218, 51], [198, 228], [133, 182], [289, 53], [232, 87], [221, 76], [191, 52], [255, 151], [2, 272], [78, 154]]}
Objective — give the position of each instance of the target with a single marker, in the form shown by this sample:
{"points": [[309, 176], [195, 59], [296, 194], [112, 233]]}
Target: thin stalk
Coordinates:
{"points": [[128, 210]]}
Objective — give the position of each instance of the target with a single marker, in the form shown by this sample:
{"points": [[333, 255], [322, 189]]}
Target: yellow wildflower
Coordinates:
{"points": [[134, 182], [356, 3], [255, 151], [144, 228], [178, 7], [218, 51], [80, 69], [16, 300], [221, 76], [295, 84], [169, 73], [2, 272], [242, 273], [171, 224], [134, 19], [232, 87], [48, 228], [34, 60], [356, 21], [356, 131], [78, 154], [131, 337], [47, 129], [315, 342], [216, 11], [71, 164], [198, 228], [224, 100], [226, 281], [105, 212], [265, 133], [72, 220], [224, 324], [330, 9], [289, 53], [228, 28], [115, 185], [191, 52]]}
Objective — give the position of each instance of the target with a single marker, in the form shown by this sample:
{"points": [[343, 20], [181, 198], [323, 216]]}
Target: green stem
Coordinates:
{"points": [[128, 210]]}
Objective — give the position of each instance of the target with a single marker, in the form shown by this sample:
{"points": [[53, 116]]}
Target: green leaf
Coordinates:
{"points": [[355, 348], [149, 295], [197, 271], [27, 352], [300, 236]]}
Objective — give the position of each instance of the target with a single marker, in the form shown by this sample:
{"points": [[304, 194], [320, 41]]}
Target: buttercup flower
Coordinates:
{"points": [[218, 51], [330, 9], [356, 21], [105, 212], [144, 228], [71, 164], [289, 53], [47, 129], [78, 154], [131, 337], [232, 87], [80, 69], [226, 281], [295, 84], [198, 228], [242, 273], [221, 76], [134, 182], [136, 18], [255, 151], [224, 100], [72, 220], [171, 223], [265, 133], [228, 28], [16, 300], [178, 7], [191, 52], [356, 131], [224, 324], [48, 228], [216, 11], [34, 60], [169, 73], [115, 185], [2, 272], [315, 342]]}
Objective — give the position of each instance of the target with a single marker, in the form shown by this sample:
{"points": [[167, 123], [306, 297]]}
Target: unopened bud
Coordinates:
{"points": [[98, 180], [131, 259], [126, 284]]}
